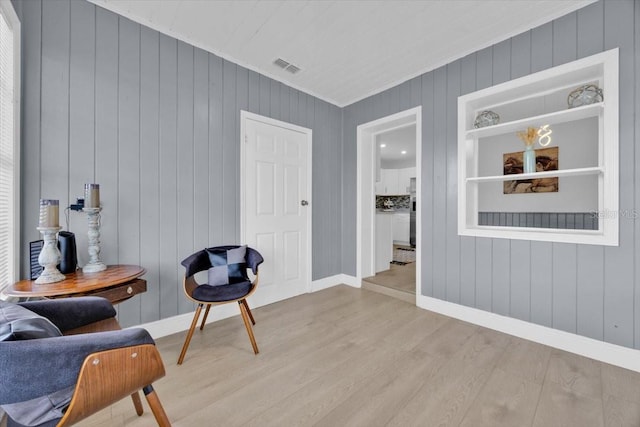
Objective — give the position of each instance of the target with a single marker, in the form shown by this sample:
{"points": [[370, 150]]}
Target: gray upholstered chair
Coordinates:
{"points": [[63, 360], [227, 282]]}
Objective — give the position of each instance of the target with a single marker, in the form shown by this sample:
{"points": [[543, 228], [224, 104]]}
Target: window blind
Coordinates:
{"points": [[8, 167]]}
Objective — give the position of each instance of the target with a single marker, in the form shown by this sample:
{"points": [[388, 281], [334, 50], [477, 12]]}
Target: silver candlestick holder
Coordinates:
{"points": [[94, 265], [49, 256]]}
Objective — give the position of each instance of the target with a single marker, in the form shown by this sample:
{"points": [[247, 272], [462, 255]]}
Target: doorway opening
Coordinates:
{"points": [[388, 205]]}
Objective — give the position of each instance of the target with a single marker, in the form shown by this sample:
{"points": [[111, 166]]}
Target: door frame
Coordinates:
{"points": [[365, 173], [246, 115]]}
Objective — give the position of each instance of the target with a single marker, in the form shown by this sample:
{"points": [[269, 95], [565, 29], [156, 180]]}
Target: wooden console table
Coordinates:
{"points": [[117, 283]]}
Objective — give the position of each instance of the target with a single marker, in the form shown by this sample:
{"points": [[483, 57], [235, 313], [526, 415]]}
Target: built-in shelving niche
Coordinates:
{"points": [[584, 209]]}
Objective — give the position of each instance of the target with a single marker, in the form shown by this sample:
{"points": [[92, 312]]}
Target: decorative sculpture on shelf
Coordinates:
{"points": [[585, 95]]}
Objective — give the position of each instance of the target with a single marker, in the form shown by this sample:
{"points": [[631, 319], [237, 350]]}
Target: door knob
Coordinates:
{"points": [[304, 203]]}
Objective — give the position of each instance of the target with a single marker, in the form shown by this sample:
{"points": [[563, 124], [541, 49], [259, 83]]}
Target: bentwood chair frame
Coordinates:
{"points": [[200, 259], [125, 362]]}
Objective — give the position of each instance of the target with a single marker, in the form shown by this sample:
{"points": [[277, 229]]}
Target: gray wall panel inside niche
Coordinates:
{"points": [[567, 220], [156, 122], [590, 290]]}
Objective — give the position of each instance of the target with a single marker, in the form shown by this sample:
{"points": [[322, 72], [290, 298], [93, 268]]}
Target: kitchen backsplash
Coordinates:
{"points": [[399, 202]]}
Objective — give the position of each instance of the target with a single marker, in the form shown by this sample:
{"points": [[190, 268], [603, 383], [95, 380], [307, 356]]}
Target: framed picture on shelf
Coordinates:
{"points": [[546, 160]]}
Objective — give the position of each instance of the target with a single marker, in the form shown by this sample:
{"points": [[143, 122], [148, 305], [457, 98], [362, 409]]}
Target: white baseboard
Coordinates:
{"points": [[338, 279], [624, 357]]}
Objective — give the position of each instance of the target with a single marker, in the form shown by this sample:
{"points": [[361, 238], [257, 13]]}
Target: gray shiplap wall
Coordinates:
{"points": [[589, 290], [156, 122]]}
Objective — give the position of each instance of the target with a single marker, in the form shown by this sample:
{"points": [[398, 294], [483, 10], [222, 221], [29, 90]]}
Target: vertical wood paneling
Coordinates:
{"points": [[565, 35], [541, 252], [521, 55], [185, 160], [564, 286], [520, 255], [156, 123], [54, 121], [284, 103], [426, 181], [619, 268], [106, 138], [440, 184], [564, 274], [501, 248], [254, 92], [453, 243], [30, 170], [168, 176], [216, 197], [520, 279], [128, 190], [590, 268], [637, 178], [150, 172], [230, 161], [541, 52], [200, 149], [590, 29], [81, 114], [500, 275], [484, 274], [541, 283], [468, 244]]}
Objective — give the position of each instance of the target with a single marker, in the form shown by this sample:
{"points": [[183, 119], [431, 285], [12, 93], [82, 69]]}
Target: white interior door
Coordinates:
{"points": [[276, 211]]}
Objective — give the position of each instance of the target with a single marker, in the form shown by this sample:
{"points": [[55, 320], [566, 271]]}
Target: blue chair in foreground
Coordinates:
{"points": [[65, 359], [227, 282]]}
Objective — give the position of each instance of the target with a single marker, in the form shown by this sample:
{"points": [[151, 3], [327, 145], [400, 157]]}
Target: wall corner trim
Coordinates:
{"points": [[613, 354], [338, 279]]}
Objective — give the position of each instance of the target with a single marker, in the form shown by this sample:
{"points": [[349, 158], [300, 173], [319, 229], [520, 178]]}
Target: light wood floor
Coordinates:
{"points": [[351, 357]]}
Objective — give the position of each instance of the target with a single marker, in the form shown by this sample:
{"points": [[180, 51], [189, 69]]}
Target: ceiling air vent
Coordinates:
{"points": [[287, 66]]}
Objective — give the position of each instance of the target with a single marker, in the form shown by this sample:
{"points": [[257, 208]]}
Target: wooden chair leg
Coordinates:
{"points": [[137, 403], [246, 305], [247, 324], [189, 334], [204, 319], [156, 406]]}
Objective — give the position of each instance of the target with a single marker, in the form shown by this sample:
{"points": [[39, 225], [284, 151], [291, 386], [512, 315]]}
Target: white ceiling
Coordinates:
{"points": [[396, 141], [347, 49]]}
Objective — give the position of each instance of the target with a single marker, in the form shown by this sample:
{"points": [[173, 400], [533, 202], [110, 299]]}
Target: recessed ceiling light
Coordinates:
{"points": [[383, 145], [403, 152]]}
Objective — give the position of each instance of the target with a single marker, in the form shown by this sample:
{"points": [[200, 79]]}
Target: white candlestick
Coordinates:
{"points": [[49, 256], [94, 265]]}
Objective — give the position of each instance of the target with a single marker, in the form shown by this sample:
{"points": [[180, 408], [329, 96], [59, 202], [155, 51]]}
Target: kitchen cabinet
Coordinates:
{"points": [[401, 228], [394, 182]]}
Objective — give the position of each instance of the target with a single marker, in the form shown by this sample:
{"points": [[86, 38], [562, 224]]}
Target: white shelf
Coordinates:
{"points": [[537, 175], [523, 102], [563, 116]]}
